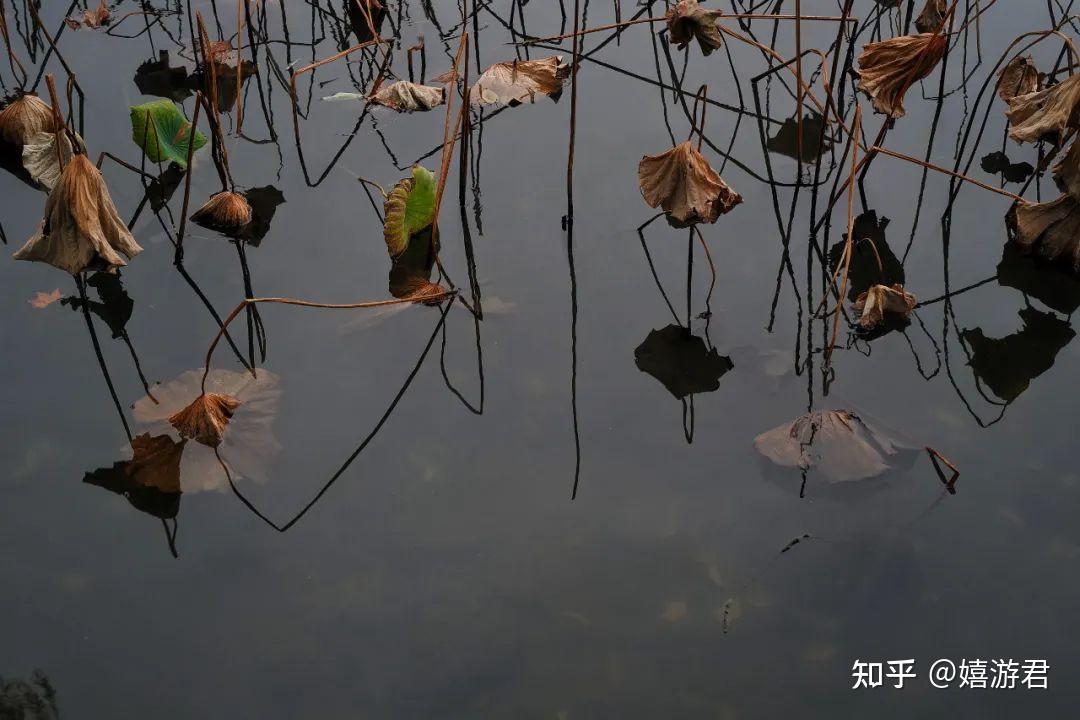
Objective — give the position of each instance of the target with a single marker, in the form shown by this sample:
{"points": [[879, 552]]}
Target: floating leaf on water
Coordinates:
{"points": [[1045, 114], [160, 79], [82, 229], [248, 446], [163, 133], [44, 300], [786, 140], [880, 300], [23, 118], [1008, 365], [998, 163], [226, 212], [888, 69], [682, 182], [1018, 77], [40, 160], [836, 443], [681, 361], [688, 21], [1050, 229], [519, 81], [408, 209], [92, 19], [150, 480], [1031, 276], [932, 16], [404, 96]]}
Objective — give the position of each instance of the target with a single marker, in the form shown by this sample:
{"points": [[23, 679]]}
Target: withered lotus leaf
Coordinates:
{"points": [[1067, 172], [688, 20], [82, 229], [39, 157], [932, 16], [206, 418], [1050, 229], [519, 81], [227, 212], [837, 443], [418, 289], [23, 118], [404, 96], [1018, 77], [682, 182], [889, 68], [1045, 113], [882, 299]]}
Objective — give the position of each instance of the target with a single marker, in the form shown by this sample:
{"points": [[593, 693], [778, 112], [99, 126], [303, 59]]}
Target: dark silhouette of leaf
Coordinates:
{"points": [[681, 361], [998, 163], [869, 245], [160, 79], [1034, 277], [150, 480], [786, 140], [1008, 365]]}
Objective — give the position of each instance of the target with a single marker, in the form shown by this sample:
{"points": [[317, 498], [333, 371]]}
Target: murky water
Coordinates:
{"points": [[449, 570]]}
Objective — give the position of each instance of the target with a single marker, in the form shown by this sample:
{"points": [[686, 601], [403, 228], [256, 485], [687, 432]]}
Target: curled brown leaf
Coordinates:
{"points": [[206, 418], [682, 182], [880, 300], [888, 69], [688, 21], [1047, 113]]}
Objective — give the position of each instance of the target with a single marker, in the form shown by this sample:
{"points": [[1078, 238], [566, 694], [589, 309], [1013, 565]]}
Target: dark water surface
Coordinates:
{"points": [[447, 573]]}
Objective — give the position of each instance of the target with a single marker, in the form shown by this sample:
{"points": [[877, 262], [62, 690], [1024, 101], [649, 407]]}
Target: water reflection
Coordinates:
{"points": [[33, 699]]}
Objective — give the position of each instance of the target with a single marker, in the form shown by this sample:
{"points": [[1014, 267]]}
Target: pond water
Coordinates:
{"points": [[556, 511]]}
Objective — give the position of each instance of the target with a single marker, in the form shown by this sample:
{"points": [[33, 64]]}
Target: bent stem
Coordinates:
{"points": [[300, 303]]}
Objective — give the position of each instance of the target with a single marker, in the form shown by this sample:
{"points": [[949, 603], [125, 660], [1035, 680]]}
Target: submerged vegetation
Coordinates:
{"points": [[215, 86]]}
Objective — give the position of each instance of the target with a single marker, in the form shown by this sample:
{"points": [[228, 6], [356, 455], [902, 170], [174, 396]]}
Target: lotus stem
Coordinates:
{"points": [[959, 176], [300, 303], [850, 232]]}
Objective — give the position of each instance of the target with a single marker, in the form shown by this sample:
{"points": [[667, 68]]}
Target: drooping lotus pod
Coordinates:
{"points": [[226, 212], [888, 69], [688, 21], [682, 182], [82, 229], [1046, 113]]}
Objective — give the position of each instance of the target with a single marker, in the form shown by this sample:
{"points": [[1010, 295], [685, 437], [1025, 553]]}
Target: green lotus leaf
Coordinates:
{"points": [[162, 131], [409, 208]]}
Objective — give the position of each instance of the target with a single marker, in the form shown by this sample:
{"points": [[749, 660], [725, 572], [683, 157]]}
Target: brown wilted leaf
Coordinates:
{"points": [[248, 447], [1045, 113], [227, 212], [82, 229], [882, 299], [416, 288], [1019, 77], [519, 81], [206, 418], [1050, 229], [92, 19], [39, 157], [1067, 172], [889, 68], [404, 96], [682, 182], [44, 300], [837, 443], [23, 118], [688, 20], [932, 16]]}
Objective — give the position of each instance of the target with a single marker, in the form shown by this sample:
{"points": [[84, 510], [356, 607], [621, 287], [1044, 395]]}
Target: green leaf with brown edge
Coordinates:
{"points": [[162, 131], [409, 208]]}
